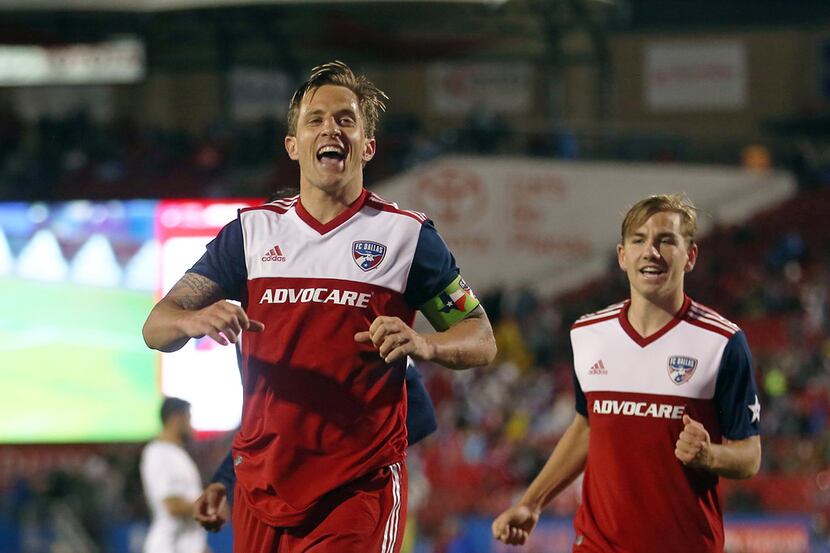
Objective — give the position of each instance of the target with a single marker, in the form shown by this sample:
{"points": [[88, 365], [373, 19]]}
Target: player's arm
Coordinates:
{"points": [[178, 506], [732, 459], [435, 287], [468, 343], [196, 306], [567, 461], [737, 458]]}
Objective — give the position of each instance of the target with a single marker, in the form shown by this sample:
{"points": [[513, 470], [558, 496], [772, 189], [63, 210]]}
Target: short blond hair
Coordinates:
{"points": [[371, 99], [640, 212]]}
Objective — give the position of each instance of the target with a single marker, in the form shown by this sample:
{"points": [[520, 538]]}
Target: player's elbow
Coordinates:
{"points": [[752, 463], [486, 341], [489, 349], [147, 334], [151, 334], [485, 352], [747, 472], [755, 464], [476, 349]]}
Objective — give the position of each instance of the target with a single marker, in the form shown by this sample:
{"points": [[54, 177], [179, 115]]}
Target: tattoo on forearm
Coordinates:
{"points": [[195, 291]]}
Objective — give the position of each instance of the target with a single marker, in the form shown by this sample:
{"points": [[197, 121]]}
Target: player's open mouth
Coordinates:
{"points": [[331, 156], [652, 272]]}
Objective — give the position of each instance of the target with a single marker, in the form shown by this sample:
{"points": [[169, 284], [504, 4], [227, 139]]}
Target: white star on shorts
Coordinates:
{"points": [[755, 408]]}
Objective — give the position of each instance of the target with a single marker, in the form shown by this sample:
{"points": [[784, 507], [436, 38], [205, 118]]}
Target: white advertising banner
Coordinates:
{"points": [[116, 61], [695, 76], [554, 225], [457, 88]]}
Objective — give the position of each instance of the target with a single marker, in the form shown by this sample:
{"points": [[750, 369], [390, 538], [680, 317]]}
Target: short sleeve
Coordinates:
{"points": [[224, 261], [433, 267], [435, 285], [581, 403], [736, 395]]}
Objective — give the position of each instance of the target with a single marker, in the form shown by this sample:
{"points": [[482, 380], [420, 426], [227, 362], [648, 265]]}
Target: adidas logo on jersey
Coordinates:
{"points": [[274, 254], [598, 368]]}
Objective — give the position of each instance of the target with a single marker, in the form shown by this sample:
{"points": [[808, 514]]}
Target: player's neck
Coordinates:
{"points": [[325, 205], [649, 315], [171, 436]]}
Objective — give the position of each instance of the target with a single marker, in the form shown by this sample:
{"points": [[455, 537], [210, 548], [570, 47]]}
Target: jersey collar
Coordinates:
{"points": [[347, 214], [644, 341]]}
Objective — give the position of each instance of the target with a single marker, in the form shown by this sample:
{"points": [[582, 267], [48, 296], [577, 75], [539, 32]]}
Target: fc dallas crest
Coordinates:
{"points": [[367, 255], [681, 368]]}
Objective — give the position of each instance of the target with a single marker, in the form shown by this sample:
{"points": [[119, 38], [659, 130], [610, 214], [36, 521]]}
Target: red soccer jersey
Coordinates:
{"points": [[637, 496], [319, 409]]}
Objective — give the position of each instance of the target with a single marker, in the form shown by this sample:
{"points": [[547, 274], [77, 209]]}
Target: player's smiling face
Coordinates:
{"points": [[656, 256], [331, 145]]}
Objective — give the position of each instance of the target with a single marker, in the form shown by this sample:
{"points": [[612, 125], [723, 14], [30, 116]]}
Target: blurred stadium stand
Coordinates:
{"points": [[205, 119]]}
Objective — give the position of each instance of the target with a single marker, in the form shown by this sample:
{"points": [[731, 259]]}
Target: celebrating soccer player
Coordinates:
{"points": [[666, 403], [329, 282]]}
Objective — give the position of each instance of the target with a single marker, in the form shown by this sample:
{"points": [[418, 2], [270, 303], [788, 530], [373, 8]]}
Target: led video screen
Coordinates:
{"points": [[77, 280]]}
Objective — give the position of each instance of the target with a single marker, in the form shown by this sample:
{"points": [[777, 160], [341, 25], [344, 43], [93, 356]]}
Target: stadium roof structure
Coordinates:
{"points": [[170, 5]]}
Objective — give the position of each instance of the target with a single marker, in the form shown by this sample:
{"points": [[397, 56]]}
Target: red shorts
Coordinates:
{"points": [[367, 515]]}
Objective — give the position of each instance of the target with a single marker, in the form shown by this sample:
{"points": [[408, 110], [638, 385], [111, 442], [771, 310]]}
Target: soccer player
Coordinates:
{"points": [[212, 509], [329, 282], [171, 484], [666, 404]]}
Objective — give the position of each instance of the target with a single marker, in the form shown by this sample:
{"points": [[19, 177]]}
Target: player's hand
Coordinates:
{"points": [[694, 448], [211, 510], [514, 525], [395, 339], [223, 321]]}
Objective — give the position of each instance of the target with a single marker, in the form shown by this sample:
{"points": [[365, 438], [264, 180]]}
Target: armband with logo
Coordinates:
{"points": [[453, 304]]}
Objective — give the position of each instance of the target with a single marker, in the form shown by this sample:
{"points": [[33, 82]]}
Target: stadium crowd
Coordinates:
{"points": [[76, 156]]}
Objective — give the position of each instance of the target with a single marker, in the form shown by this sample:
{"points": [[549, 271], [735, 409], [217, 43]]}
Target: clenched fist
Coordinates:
{"points": [[694, 448]]}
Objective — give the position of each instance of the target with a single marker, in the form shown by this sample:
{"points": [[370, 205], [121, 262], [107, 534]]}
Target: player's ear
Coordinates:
{"points": [[621, 256], [691, 256], [291, 147], [369, 149]]}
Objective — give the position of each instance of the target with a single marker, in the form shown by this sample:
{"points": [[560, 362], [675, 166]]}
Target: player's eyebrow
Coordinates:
{"points": [[318, 111], [659, 235]]}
